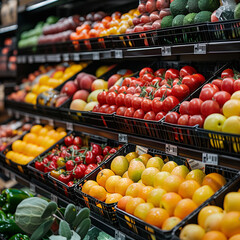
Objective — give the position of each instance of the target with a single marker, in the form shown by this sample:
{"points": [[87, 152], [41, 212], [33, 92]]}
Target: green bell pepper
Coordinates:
{"points": [[19, 236], [2, 215], [8, 226], [10, 198]]}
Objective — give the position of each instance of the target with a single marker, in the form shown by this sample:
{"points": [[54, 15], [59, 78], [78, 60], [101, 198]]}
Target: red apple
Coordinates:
{"points": [[150, 6], [81, 94], [142, 8], [113, 79], [156, 24], [61, 100], [161, 4], [69, 88], [164, 12], [86, 82], [138, 28], [136, 21], [154, 16], [147, 27], [144, 18]]}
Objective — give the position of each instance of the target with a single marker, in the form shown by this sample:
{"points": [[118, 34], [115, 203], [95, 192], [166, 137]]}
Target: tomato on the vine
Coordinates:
{"points": [[90, 157], [39, 165], [194, 107], [157, 105], [163, 91], [121, 110], [160, 72], [130, 90], [122, 89], [180, 91], [196, 120], [172, 117], [139, 113], [183, 120], [120, 99], [148, 77], [184, 108], [106, 150], [126, 82], [101, 97], [236, 85], [111, 98], [96, 108], [68, 140], [70, 165], [114, 88], [209, 107], [227, 73], [187, 70], [65, 178], [146, 105], [150, 116], [112, 109], [145, 71], [207, 93], [210, 85], [104, 108], [159, 116], [77, 141], [172, 74], [169, 103], [222, 97], [136, 102], [218, 83], [96, 149], [228, 85], [129, 112]]}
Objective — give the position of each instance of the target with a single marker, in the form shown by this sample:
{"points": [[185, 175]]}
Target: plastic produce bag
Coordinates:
{"points": [[226, 11]]}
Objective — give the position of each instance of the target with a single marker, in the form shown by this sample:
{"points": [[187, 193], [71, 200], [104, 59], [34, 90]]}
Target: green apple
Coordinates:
{"points": [[214, 122], [232, 125]]}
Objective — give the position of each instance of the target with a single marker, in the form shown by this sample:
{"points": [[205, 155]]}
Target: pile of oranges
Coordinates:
{"points": [[160, 194], [216, 223], [34, 143]]}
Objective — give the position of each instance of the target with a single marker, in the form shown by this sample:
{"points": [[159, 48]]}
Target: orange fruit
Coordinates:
{"points": [[123, 202], [235, 237], [172, 183], [60, 129], [169, 166], [159, 178], [53, 134], [18, 146], [30, 138], [119, 165], [145, 157], [231, 202], [48, 127], [214, 180], [184, 208], [192, 232], [103, 175], [130, 156], [125, 175], [169, 201], [43, 131], [122, 185], [155, 196], [181, 171], [98, 192], [113, 198], [230, 224], [170, 223], [156, 162], [196, 175], [207, 211], [132, 204], [134, 189], [142, 210], [61, 135], [214, 235], [187, 188], [145, 192], [111, 182], [202, 194], [88, 185], [213, 222], [36, 129], [148, 176], [157, 216]]}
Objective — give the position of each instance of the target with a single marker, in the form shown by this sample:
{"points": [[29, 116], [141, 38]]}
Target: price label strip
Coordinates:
{"points": [[51, 122], [37, 120], [171, 149], [32, 188], [54, 198], [141, 150], [209, 158], [7, 173], [69, 126], [119, 235], [196, 164], [122, 138]]}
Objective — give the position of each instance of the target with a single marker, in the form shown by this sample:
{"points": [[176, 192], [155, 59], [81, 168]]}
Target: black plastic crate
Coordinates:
{"points": [[216, 200], [139, 229], [224, 30]]}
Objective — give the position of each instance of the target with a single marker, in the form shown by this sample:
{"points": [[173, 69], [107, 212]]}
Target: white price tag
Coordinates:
{"points": [[76, 57], [32, 188], [122, 138], [66, 57], [30, 59], [141, 150], [210, 158], [69, 126], [13, 176], [27, 118], [118, 54], [96, 55], [166, 51], [51, 122], [37, 120], [54, 198], [194, 164], [200, 48], [119, 235], [7, 173], [171, 149]]}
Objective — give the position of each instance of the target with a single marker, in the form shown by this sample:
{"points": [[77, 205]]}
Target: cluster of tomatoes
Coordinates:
{"points": [[150, 96], [73, 161], [211, 100]]}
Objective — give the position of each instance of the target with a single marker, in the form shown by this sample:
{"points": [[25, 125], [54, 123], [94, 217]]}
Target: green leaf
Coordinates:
{"points": [[82, 214], [57, 237], [70, 213], [83, 227], [42, 229], [50, 209], [75, 236], [64, 229]]}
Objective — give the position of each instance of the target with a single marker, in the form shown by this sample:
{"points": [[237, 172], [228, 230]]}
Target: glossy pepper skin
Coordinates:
{"points": [[2, 215], [19, 236], [10, 198], [9, 227]]}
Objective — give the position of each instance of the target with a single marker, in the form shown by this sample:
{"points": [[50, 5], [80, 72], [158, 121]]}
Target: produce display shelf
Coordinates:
{"points": [[8, 29], [8, 74], [209, 157], [36, 188]]}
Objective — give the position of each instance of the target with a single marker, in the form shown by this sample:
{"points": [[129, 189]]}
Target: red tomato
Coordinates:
{"points": [[106, 150], [51, 166], [145, 70], [128, 100], [101, 97], [196, 120], [148, 77], [171, 74], [78, 173], [192, 82], [222, 97], [120, 99], [169, 103], [176, 81], [207, 93], [159, 116], [209, 107], [112, 109], [187, 70], [113, 150], [146, 105], [183, 120], [218, 83], [122, 89], [210, 85], [180, 91], [228, 85], [39, 166], [164, 82], [150, 116], [96, 108], [138, 90], [184, 108], [172, 117], [111, 98], [99, 158], [104, 108], [150, 90], [90, 157], [139, 114], [70, 165], [68, 140], [77, 141], [157, 105], [70, 184], [156, 81], [160, 72], [96, 149], [121, 111], [126, 82], [194, 107], [129, 112], [163, 91], [136, 102], [114, 89], [199, 77], [236, 85], [227, 73], [65, 178], [130, 90]]}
